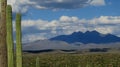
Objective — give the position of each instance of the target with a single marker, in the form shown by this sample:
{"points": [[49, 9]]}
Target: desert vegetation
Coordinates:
{"points": [[8, 56], [72, 60]]}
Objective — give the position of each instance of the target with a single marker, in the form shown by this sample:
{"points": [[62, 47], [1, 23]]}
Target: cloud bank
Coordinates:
{"points": [[42, 29], [24, 5]]}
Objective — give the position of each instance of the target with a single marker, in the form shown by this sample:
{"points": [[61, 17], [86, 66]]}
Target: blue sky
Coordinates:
{"points": [[111, 8], [43, 19]]}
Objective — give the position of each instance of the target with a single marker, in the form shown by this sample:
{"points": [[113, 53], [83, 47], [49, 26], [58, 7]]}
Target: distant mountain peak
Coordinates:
{"points": [[79, 32], [94, 31], [88, 37]]}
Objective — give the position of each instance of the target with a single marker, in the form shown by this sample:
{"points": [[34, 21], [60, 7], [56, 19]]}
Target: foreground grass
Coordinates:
{"points": [[72, 60]]}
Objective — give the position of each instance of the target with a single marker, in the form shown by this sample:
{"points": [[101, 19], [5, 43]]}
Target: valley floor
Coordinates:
{"points": [[71, 60]]}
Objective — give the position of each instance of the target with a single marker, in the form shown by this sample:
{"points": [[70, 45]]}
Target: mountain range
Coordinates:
{"points": [[87, 37], [74, 41]]}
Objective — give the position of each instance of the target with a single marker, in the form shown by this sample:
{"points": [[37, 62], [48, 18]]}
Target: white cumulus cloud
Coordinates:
{"points": [[24, 5], [98, 2], [68, 25]]}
